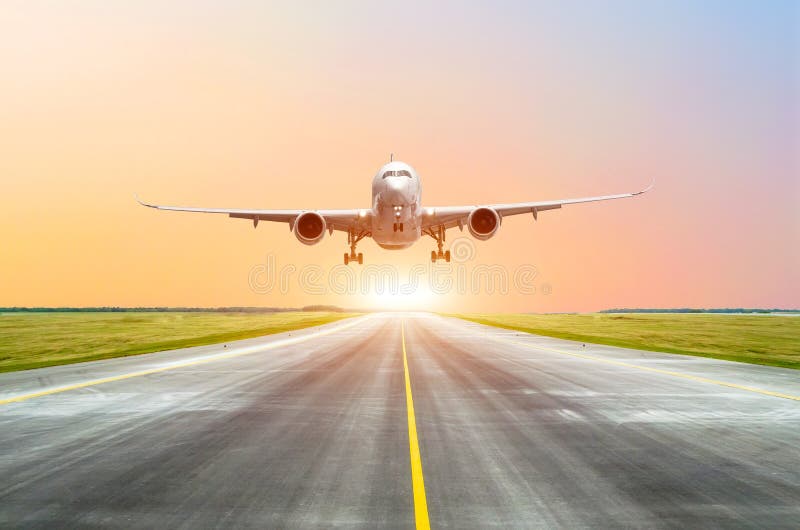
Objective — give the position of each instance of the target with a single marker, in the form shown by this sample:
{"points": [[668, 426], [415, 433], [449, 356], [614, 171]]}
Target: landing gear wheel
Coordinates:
{"points": [[401, 227], [352, 240], [438, 235]]}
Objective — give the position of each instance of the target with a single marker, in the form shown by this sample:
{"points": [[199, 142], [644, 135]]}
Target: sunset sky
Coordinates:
{"points": [[296, 105]]}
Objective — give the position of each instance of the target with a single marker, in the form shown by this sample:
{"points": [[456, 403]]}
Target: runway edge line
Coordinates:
{"points": [[247, 350], [417, 479], [672, 373]]}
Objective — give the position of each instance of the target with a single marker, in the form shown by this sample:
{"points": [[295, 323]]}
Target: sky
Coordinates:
{"points": [[297, 104]]}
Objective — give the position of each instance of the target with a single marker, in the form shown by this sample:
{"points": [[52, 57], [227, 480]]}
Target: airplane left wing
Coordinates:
{"points": [[343, 220], [451, 216]]}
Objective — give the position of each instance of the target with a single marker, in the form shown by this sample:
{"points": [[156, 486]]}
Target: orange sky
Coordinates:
{"points": [[290, 107]]}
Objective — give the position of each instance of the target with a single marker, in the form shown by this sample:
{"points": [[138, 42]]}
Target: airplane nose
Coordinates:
{"points": [[398, 185], [396, 191]]}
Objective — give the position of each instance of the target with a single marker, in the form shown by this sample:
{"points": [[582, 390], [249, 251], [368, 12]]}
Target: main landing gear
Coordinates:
{"points": [[353, 257], [352, 240], [438, 235]]}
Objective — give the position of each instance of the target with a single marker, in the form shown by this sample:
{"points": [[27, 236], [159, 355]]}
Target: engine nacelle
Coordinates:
{"points": [[309, 227], [483, 223]]}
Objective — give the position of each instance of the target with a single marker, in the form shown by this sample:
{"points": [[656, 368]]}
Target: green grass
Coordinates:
{"points": [[34, 340], [770, 340]]}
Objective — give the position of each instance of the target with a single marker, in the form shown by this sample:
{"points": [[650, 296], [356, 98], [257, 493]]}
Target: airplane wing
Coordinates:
{"points": [[450, 216], [343, 220]]}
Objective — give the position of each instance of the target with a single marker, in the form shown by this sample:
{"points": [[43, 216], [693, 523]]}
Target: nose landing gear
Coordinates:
{"points": [[398, 227], [439, 236], [352, 240]]}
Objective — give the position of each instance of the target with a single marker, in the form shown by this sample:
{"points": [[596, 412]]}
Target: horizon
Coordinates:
{"points": [[334, 308]]}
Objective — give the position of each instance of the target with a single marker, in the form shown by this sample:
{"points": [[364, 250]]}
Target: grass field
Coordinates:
{"points": [[771, 340], [34, 340]]}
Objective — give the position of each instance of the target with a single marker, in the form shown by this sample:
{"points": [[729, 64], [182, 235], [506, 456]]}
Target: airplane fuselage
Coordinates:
{"points": [[396, 207]]}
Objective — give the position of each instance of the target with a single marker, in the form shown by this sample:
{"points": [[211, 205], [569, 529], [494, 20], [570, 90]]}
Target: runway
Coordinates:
{"points": [[317, 428]]}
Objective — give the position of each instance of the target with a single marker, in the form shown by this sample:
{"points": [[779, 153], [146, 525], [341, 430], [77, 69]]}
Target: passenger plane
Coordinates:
{"points": [[396, 218]]}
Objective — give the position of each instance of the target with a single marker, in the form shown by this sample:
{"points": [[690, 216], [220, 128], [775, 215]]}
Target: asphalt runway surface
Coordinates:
{"points": [[317, 429]]}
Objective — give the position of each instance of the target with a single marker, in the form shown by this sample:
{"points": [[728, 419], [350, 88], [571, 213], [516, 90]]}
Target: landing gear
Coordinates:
{"points": [[352, 240], [438, 235], [440, 255], [398, 226], [351, 257]]}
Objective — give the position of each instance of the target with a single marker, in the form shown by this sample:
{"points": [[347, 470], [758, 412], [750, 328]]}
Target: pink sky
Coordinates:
{"points": [[284, 106]]}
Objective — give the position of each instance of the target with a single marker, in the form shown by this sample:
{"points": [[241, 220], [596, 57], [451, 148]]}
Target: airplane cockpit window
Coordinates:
{"points": [[398, 173]]}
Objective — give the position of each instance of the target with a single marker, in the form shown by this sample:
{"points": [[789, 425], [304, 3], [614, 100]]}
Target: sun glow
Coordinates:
{"points": [[420, 298]]}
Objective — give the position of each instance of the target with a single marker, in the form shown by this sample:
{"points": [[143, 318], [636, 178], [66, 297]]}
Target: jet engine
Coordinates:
{"points": [[483, 223], [309, 227]]}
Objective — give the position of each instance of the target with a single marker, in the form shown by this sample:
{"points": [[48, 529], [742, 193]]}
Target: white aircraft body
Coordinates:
{"points": [[396, 218]]}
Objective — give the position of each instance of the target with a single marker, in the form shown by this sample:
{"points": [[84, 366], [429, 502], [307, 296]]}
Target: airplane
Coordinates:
{"points": [[396, 219]]}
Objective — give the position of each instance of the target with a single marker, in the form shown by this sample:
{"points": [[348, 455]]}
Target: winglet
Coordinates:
{"points": [[648, 188], [140, 201]]}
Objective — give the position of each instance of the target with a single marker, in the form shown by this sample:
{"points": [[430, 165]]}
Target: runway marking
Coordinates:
{"points": [[417, 480], [181, 364], [658, 371]]}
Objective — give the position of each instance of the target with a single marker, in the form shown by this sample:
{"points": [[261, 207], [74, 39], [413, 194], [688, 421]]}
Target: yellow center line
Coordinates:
{"points": [[172, 366], [660, 371], [417, 480]]}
